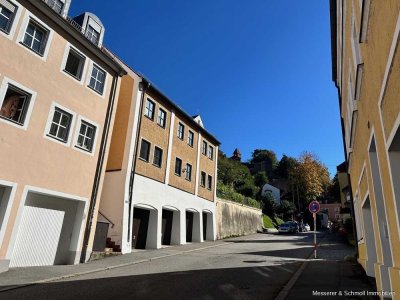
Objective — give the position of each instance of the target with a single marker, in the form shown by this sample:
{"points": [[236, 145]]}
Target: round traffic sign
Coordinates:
{"points": [[314, 207]]}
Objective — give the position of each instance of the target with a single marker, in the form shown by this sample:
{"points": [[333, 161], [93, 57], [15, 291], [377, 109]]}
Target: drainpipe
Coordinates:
{"points": [[143, 87], [99, 168]]}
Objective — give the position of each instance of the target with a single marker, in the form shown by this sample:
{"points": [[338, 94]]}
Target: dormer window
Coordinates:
{"points": [[92, 35], [56, 5]]}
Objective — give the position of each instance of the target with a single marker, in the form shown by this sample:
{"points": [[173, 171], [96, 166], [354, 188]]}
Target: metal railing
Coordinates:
{"points": [[72, 22]]}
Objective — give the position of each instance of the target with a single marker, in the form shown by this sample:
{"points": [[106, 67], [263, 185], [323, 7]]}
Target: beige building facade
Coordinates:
{"points": [[160, 184], [366, 71], [58, 90]]}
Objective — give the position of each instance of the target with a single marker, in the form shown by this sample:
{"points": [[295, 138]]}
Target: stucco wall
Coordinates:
{"points": [[235, 219]]}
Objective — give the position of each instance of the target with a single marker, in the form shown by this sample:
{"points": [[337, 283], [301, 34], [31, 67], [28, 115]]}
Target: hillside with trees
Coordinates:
{"points": [[300, 179]]}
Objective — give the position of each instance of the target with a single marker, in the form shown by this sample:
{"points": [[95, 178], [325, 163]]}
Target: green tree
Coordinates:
{"points": [[286, 209], [286, 166], [260, 179], [236, 175], [268, 205]]}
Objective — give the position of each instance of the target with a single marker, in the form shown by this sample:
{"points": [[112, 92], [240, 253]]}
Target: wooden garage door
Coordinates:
{"points": [[37, 239]]}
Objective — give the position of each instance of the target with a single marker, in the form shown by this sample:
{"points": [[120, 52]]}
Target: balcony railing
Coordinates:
{"points": [[72, 22]]}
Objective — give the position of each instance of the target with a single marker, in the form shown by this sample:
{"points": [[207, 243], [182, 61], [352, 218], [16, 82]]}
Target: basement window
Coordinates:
{"points": [[15, 105]]}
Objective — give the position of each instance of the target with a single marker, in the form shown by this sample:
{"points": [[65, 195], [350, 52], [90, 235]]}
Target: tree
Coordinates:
{"points": [[333, 192], [310, 176], [260, 155], [236, 175], [268, 205], [260, 179], [286, 209], [285, 166]]}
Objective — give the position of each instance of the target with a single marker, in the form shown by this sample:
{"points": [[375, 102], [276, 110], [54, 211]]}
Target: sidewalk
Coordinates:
{"points": [[26, 276], [330, 275]]}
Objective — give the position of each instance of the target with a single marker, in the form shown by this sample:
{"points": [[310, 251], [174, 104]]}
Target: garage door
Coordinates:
{"points": [[38, 236]]}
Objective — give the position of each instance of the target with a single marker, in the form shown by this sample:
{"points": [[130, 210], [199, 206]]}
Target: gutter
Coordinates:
{"points": [[99, 168]]}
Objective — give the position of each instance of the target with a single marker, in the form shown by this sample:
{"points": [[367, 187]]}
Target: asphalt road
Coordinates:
{"points": [[255, 267]]}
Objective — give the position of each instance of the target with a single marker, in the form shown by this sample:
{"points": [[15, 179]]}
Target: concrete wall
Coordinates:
{"points": [[235, 219]]}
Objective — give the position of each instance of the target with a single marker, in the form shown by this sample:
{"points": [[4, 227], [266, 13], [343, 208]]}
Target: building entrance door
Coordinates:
{"points": [[166, 228], [140, 228], [189, 226]]}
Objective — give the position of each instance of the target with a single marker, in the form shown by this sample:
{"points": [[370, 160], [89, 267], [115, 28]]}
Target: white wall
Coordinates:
{"points": [[153, 194]]}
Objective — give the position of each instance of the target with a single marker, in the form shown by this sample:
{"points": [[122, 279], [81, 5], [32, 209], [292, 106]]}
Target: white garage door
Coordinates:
{"points": [[38, 236]]}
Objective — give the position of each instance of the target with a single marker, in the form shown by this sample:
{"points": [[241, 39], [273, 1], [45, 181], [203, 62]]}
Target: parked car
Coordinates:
{"points": [[284, 228], [295, 226], [307, 227]]}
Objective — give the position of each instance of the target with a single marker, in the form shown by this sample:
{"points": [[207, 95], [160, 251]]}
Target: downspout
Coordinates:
{"points": [[99, 168], [143, 86]]}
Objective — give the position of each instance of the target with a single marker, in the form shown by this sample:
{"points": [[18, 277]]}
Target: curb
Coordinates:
{"points": [[106, 268]]}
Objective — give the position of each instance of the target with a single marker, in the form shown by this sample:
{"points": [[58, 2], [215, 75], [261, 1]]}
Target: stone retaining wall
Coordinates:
{"points": [[235, 219]]}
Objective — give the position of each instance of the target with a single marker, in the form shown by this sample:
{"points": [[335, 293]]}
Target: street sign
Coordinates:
{"points": [[314, 207]]}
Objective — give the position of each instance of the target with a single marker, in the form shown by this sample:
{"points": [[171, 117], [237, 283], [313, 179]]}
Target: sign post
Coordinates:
{"points": [[314, 207]]}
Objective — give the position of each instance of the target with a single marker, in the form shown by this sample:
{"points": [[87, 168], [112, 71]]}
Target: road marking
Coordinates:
{"points": [[288, 287]]}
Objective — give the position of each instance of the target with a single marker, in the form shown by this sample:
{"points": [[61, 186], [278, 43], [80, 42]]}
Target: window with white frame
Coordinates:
{"points": [[60, 125], [92, 34], [7, 14], [157, 160], [210, 152], [145, 150], [209, 182], [56, 5], [181, 131], [149, 110], [86, 136], [161, 119], [190, 138], [74, 64], [203, 179], [35, 37], [15, 105], [97, 79], [188, 172], [204, 151]]}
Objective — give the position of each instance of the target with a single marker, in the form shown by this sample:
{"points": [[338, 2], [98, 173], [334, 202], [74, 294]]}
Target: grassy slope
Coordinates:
{"points": [[271, 222]]}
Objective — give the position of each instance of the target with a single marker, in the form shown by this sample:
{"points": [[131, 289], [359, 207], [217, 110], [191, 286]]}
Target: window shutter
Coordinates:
{"points": [[8, 5]]}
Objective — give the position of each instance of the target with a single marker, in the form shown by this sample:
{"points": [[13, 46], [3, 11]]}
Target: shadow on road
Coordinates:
{"points": [[262, 282]]}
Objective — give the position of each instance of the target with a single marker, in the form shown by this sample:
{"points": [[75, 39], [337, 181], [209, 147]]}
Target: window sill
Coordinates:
{"points": [[73, 76], [34, 51], [57, 139], [84, 149], [96, 91], [190, 180], [190, 145], [163, 127], [151, 119], [142, 159], [158, 166], [177, 174], [181, 138]]}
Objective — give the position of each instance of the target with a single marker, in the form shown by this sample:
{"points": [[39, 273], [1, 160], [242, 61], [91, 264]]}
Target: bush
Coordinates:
{"points": [[228, 193], [268, 205]]}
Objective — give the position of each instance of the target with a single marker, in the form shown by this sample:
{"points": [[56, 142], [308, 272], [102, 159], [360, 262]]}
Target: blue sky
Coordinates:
{"points": [[259, 73]]}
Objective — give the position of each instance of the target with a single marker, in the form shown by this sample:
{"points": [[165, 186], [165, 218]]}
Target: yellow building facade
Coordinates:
{"points": [[366, 71]]}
